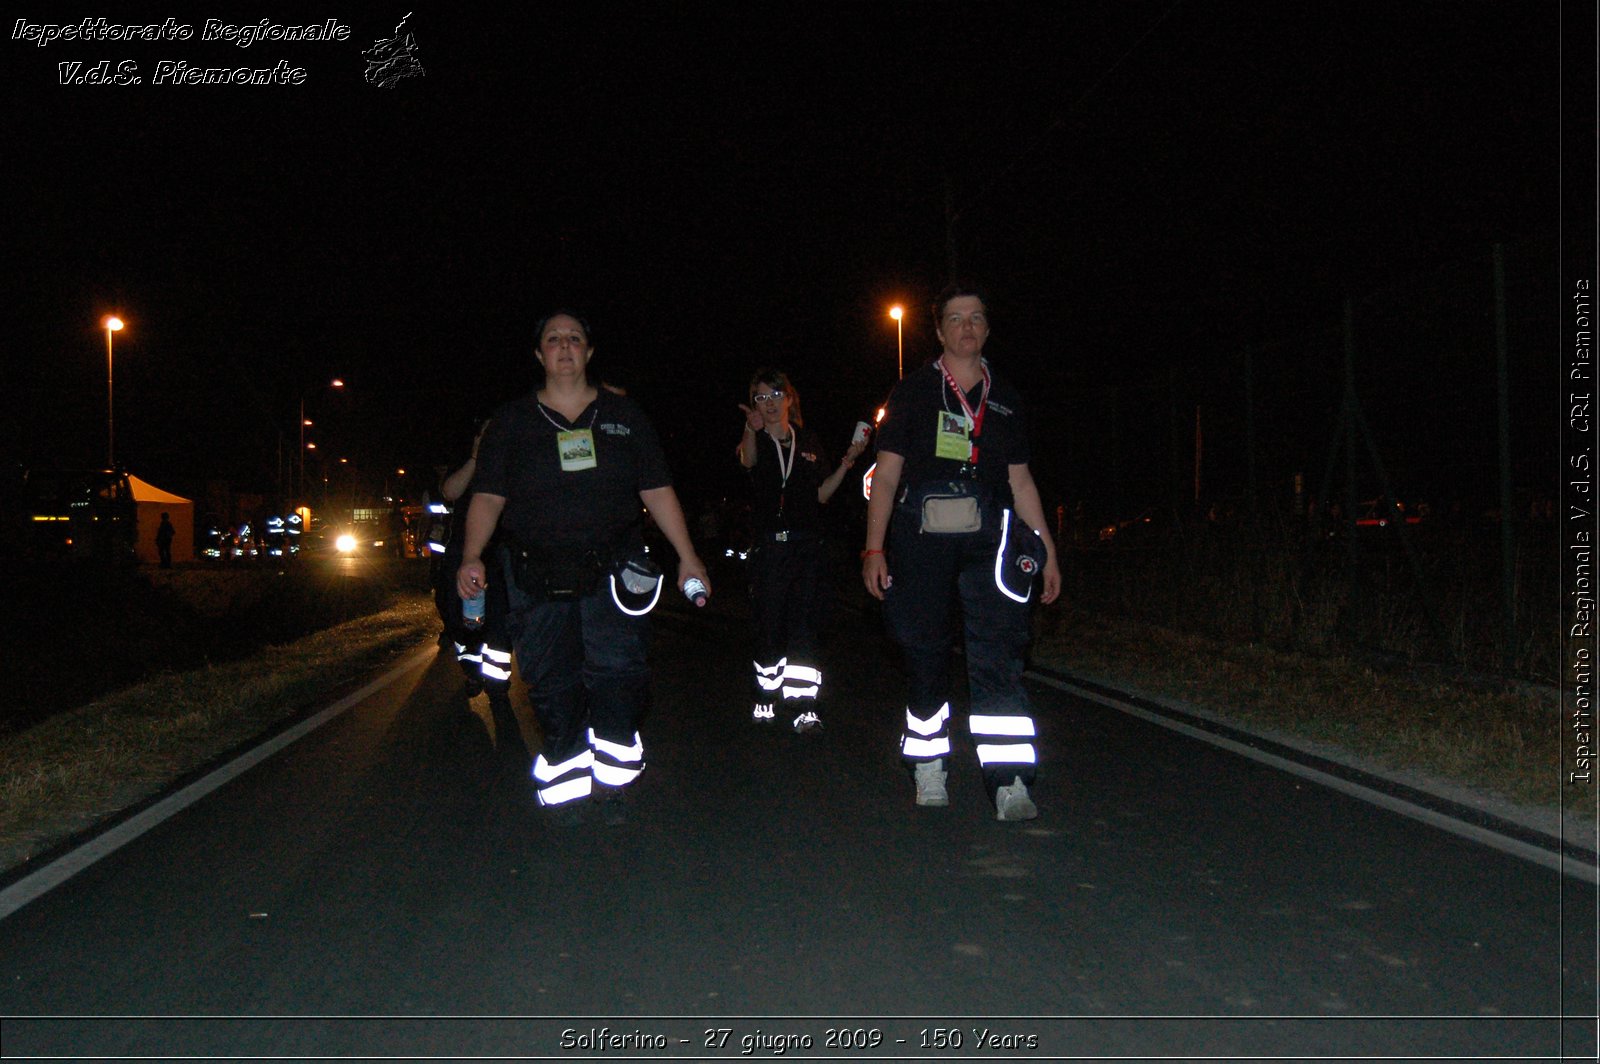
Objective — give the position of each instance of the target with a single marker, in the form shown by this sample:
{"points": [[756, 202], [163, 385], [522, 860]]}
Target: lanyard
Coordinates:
{"points": [[559, 427], [974, 416], [785, 467]]}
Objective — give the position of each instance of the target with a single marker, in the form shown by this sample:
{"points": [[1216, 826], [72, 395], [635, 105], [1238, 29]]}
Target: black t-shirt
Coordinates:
{"points": [[775, 507], [911, 427], [519, 459]]}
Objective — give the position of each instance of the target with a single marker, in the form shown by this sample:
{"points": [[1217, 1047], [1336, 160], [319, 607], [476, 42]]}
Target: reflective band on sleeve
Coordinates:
{"points": [[919, 749], [568, 791], [1009, 754], [982, 724], [932, 726]]}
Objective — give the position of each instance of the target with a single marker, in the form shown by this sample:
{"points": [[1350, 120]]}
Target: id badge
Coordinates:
{"points": [[954, 437], [576, 449]]}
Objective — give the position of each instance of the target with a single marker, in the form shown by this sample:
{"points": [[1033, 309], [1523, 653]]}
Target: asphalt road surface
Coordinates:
{"points": [[387, 886]]}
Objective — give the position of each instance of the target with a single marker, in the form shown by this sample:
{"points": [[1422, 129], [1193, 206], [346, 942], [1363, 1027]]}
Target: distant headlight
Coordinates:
{"points": [[345, 544]]}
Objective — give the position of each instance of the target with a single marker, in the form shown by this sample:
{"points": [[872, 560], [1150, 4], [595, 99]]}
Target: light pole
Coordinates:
{"points": [[112, 324], [300, 480], [897, 313]]}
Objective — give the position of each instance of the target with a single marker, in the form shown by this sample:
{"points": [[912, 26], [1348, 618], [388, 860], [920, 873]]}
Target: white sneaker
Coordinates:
{"points": [[763, 711], [807, 722], [930, 783], [1011, 802]]}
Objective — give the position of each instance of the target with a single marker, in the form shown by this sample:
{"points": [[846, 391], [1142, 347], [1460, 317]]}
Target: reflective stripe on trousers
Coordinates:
{"points": [[769, 678], [496, 664], [616, 765], [1002, 739], [801, 682], [927, 739], [567, 782]]}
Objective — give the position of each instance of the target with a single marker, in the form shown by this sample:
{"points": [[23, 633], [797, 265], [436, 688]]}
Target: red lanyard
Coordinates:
{"points": [[974, 416]]}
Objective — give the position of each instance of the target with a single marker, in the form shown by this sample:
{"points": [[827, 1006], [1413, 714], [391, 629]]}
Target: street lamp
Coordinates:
{"points": [[300, 480], [897, 313], [112, 324]]}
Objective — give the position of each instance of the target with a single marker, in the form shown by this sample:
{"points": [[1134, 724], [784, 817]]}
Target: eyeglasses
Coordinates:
{"points": [[774, 396]]}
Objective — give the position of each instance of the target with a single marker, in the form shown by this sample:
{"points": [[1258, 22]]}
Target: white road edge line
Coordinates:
{"points": [[1528, 852], [63, 868]]}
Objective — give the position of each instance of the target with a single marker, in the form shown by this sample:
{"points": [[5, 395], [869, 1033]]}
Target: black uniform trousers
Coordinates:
{"points": [[933, 575], [785, 581], [584, 661], [484, 653]]}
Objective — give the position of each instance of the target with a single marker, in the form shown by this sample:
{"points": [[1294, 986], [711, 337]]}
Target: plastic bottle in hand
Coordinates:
{"points": [[695, 591], [472, 611]]}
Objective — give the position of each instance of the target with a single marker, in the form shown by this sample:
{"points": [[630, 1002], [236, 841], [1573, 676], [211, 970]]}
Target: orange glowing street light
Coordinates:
{"points": [[300, 481], [112, 324], [897, 313]]}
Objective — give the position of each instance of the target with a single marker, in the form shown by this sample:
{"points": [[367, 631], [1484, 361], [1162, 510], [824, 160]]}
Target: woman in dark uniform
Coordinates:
{"points": [[562, 473], [955, 515], [790, 482]]}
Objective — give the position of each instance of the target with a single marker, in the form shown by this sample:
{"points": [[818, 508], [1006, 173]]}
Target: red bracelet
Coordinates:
{"points": [[869, 553]]}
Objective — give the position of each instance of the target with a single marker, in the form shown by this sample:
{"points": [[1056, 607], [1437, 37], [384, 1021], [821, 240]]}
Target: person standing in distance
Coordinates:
{"points": [[955, 516], [789, 485], [562, 473]]}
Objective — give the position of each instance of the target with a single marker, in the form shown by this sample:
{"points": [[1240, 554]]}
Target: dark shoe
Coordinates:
{"points": [[614, 808], [567, 816]]}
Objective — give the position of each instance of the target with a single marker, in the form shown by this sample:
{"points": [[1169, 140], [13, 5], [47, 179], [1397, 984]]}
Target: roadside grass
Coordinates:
{"points": [[1502, 738], [73, 770]]}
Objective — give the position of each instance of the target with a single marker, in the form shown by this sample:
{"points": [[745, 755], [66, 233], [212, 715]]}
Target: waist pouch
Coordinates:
{"points": [[1019, 559], [950, 507], [557, 573]]}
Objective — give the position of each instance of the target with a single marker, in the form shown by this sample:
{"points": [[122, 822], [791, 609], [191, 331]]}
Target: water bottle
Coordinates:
{"points": [[695, 591], [472, 611]]}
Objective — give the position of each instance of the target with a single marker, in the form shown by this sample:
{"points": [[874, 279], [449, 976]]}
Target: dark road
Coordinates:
{"points": [[386, 886]]}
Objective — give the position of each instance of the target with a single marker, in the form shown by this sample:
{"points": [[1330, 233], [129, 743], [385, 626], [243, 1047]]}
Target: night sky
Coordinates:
{"points": [[1156, 194]]}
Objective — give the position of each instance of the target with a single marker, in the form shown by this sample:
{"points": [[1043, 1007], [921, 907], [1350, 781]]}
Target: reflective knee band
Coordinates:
{"points": [[801, 681], [566, 782], [770, 677], [996, 738], [496, 663], [926, 739], [616, 765]]}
